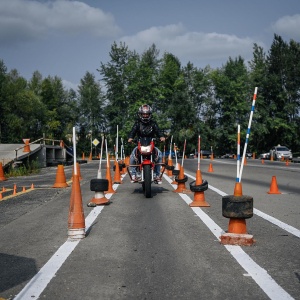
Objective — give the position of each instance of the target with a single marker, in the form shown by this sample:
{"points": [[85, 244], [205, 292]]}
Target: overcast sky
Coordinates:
{"points": [[68, 38]]}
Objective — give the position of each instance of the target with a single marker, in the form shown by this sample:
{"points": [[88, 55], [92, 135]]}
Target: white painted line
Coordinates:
{"points": [[39, 282], [261, 214], [259, 275], [280, 224]]}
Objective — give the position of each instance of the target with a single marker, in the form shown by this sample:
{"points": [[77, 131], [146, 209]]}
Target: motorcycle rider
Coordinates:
{"points": [[145, 127]]}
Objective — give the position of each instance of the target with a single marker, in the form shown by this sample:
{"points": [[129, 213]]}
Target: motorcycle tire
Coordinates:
{"points": [[147, 181]]}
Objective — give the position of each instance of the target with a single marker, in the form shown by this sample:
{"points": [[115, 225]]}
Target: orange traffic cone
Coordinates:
{"points": [[83, 156], [177, 170], [76, 221], [24, 189], [245, 161], [1, 197], [3, 189], [15, 189], [274, 186], [117, 177], [237, 229], [32, 186], [2, 176], [170, 164], [181, 179], [262, 161], [237, 225], [210, 168], [238, 190], [108, 177], [287, 162], [199, 197], [91, 156], [123, 170], [27, 146], [78, 171], [60, 181], [99, 198]]}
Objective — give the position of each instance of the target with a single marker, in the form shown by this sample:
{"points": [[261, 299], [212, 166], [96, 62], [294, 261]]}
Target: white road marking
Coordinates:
{"points": [[39, 282], [259, 275]]}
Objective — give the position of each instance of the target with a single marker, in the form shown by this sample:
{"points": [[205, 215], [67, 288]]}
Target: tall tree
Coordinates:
{"points": [[91, 107], [232, 92]]}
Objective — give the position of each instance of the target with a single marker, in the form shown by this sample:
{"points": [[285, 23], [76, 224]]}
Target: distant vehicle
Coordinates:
{"points": [[228, 155], [281, 152], [264, 156], [205, 153]]}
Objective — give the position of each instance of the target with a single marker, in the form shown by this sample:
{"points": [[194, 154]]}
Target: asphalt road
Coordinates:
{"points": [[156, 248]]}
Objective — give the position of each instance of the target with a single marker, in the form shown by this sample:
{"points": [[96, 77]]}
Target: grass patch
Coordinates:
{"points": [[32, 167]]}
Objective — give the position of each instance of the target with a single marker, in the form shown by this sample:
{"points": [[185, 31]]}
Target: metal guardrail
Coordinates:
{"points": [[41, 141]]}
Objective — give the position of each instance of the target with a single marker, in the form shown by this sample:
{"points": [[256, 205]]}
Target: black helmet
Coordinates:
{"points": [[145, 113]]}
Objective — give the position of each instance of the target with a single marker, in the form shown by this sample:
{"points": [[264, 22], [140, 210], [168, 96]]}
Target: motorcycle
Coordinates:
{"points": [[146, 160]]}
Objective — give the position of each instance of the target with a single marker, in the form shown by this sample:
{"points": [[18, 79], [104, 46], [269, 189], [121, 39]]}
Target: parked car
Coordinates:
{"points": [[228, 155], [281, 152], [264, 155], [205, 153]]}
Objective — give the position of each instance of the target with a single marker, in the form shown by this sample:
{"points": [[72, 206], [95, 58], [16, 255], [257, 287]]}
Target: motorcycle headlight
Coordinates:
{"points": [[145, 149]]}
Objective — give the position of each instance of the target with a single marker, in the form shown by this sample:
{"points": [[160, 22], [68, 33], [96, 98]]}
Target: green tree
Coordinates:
{"points": [[282, 95], [91, 109], [231, 84]]}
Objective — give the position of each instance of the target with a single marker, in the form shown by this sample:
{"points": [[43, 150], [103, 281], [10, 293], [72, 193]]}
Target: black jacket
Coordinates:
{"points": [[142, 130]]}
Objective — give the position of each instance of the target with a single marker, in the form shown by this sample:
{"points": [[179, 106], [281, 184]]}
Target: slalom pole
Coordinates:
{"points": [[74, 151], [121, 149], [183, 153], [238, 153], [199, 139], [248, 133], [107, 156], [117, 143], [175, 154], [101, 152], [170, 153]]}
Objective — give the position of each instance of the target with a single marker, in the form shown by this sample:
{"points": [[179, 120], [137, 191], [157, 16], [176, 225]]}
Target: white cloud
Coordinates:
{"points": [[191, 46], [288, 25], [30, 19], [69, 85]]}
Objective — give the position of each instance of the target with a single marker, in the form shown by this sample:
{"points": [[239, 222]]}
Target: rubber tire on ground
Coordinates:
{"points": [[169, 167], [199, 188], [185, 178], [147, 181], [175, 172], [239, 207], [99, 185]]}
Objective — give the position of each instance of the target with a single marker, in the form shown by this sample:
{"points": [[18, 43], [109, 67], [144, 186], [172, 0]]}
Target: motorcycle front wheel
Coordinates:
{"points": [[147, 181]]}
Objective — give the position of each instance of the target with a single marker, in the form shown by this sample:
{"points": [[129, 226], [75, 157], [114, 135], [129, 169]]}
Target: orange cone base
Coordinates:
{"points": [[99, 199], [3, 178], [237, 226], [181, 188], [274, 192], [110, 191], [199, 200], [60, 185], [237, 239], [76, 234]]}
